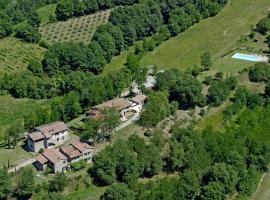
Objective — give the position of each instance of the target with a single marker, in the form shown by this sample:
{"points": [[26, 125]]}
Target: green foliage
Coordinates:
{"points": [[118, 191], [259, 72], [34, 19], [58, 183], [264, 25], [35, 67], [78, 165], [150, 116], [5, 184], [26, 183], [27, 33], [206, 60], [5, 25]]}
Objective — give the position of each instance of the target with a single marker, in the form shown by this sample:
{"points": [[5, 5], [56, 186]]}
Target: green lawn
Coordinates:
{"points": [[15, 156], [218, 34], [45, 12]]}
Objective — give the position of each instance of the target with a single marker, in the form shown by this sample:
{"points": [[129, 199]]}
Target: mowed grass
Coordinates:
{"points": [[45, 12], [15, 54], [218, 34], [14, 156], [80, 29]]}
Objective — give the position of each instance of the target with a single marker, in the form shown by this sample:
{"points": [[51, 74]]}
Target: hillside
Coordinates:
{"points": [[80, 29], [218, 34], [15, 55]]}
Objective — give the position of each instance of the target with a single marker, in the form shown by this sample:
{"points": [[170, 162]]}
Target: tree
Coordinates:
{"points": [[110, 120], [35, 67], [225, 174], [14, 132], [133, 63], [64, 10], [106, 42], [26, 184], [118, 191], [259, 72], [34, 19], [5, 184], [91, 130], [187, 91], [5, 25], [206, 60], [214, 190], [219, 92], [264, 25], [150, 116], [27, 33], [58, 183], [104, 166], [91, 6]]}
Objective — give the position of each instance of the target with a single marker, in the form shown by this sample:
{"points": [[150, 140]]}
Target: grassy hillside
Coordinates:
{"points": [[15, 109], [79, 29], [218, 34], [15, 55]]}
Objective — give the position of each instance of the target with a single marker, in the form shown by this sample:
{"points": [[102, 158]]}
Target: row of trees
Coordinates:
{"points": [[75, 8]]}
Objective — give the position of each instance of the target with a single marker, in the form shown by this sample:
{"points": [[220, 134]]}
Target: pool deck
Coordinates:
{"points": [[252, 57]]}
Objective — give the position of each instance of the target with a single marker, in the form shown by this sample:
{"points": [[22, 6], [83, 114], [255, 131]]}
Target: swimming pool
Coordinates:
{"points": [[246, 57]]}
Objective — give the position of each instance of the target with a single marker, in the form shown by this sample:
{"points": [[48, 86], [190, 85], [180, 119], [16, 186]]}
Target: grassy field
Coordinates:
{"points": [[15, 156], [263, 191], [14, 54], [79, 29], [45, 12], [218, 34], [14, 109]]}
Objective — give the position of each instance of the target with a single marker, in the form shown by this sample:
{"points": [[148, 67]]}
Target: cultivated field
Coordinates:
{"points": [[79, 29], [15, 55]]}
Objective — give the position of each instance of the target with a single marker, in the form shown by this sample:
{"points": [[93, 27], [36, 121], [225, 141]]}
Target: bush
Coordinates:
{"points": [[259, 72], [78, 165], [148, 133], [28, 33]]}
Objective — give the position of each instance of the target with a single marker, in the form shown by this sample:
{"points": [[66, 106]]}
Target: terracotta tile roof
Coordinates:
{"points": [[41, 159], [139, 98], [117, 103], [81, 146], [50, 129], [71, 152], [53, 155], [35, 136]]}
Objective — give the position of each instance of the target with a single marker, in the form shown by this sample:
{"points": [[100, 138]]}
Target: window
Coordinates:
{"points": [[63, 138], [57, 139]]}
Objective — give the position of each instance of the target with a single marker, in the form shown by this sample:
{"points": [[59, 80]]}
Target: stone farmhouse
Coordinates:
{"points": [[47, 136], [60, 159], [124, 106]]}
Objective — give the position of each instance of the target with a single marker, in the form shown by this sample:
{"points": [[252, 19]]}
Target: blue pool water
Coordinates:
{"points": [[246, 57]]}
